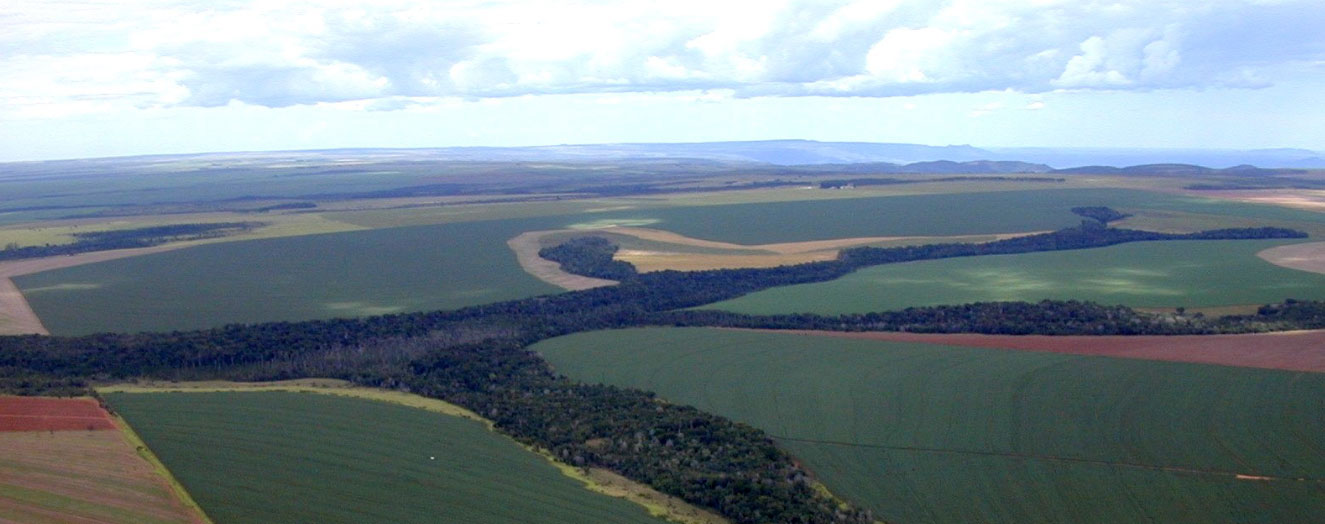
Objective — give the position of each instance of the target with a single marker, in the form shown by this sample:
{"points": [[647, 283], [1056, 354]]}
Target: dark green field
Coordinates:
{"points": [[927, 215], [1206, 273], [317, 276], [923, 433], [466, 263], [267, 457]]}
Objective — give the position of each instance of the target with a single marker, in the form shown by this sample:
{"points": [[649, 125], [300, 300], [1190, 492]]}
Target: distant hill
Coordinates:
{"points": [[1218, 158], [777, 152]]}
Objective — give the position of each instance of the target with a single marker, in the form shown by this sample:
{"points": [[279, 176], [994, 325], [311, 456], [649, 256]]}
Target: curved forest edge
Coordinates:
{"points": [[596, 480], [477, 358]]}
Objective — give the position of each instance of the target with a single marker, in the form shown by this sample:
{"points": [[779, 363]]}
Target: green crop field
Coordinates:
{"points": [[925, 215], [925, 433], [316, 276], [1200, 273], [267, 457]]}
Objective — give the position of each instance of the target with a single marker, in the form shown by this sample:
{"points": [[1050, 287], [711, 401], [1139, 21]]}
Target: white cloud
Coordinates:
{"points": [[162, 53]]}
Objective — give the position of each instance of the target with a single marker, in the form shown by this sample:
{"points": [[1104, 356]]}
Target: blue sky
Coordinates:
{"points": [[93, 78]]}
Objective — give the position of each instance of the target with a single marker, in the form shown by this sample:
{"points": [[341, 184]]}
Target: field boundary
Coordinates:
{"points": [[1302, 351], [1054, 458], [16, 315], [526, 247], [596, 480], [1304, 257], [162, 472]]}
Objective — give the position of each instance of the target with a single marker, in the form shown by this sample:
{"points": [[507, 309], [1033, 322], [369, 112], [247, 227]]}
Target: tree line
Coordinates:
{"points": [[476, 357], [87, 242]]}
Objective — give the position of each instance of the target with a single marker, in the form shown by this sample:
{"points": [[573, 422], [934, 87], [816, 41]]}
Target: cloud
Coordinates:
{"points": [[193, 53]]}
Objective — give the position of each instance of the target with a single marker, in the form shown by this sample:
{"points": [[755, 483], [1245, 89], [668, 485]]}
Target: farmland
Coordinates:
{"points": [[466, 262], [64, 462], [1193, 274], [925, 433], [916, 432], [300, 457], [317, 276]]}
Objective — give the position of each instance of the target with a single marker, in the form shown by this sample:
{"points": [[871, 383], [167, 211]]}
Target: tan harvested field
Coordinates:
{"points": [[1306, 257], [82, 476], [526, 247], [1308, 199], [1292, 351], [52, 414], [760, 255], [16, 316]]}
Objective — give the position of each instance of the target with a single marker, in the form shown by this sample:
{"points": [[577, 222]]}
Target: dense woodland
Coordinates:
{"points": [[590, 257], [127, 238], [476, 357]]}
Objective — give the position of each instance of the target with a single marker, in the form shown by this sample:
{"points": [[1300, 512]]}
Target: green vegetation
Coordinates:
{"points": [[923, 433], [928, 215], [316, 276], [589, 256], [301, 457], [127, 238], [1190, 273]]}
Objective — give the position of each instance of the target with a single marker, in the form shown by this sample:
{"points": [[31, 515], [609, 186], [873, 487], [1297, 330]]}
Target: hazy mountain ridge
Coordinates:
{"points": [[852, 157]]}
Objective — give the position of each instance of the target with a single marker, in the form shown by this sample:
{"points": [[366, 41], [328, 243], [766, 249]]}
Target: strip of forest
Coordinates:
{"points": [[127, 239], [476, 357]]}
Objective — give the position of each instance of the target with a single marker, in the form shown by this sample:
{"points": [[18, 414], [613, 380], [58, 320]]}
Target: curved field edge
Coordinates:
{"points": [[926, 433], [596, 480], [1304, 257]]}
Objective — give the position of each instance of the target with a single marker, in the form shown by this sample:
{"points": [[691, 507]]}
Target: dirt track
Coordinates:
{"points": [[1292, 351], [1306, 257]]}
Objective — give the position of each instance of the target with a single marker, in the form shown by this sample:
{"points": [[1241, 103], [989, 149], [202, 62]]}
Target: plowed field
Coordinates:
{"points": [[1292, 351], [52, 414]]}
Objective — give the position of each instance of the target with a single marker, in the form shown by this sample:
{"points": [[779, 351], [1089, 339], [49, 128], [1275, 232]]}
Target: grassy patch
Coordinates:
{"points": [[1196, 274], [924, 433], [291, 457]]}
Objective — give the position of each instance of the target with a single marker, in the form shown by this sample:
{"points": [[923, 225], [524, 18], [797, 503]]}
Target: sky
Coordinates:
{"points": [[91, 78]]}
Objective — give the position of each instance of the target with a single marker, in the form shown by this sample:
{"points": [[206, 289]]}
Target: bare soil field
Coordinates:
{"points": [[1308, 199], [526, 247], [52, 414], [1291, 351], [79, 477], [748, 256], [1306, 257]]}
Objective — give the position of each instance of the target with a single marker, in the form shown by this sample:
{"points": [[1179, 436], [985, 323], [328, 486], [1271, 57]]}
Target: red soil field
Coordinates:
{"points": [[1292, 351], [77, 477], [52, 414]]}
